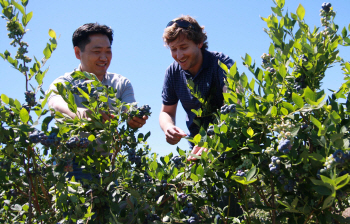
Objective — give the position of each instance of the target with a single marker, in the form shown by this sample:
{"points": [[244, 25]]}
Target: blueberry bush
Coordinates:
{"points": [[278, 149], [285, 145]]}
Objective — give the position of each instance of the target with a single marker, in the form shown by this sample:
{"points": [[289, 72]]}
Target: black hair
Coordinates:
{"points": [[81, 36]]}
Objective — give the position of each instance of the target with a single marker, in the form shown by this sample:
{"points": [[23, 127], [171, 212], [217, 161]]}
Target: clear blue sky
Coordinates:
{"points": [[233, 27]]}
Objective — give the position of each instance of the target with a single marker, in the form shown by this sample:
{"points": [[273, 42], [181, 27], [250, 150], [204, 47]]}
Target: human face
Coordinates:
{"points": [[96, 56], [187, 54]]}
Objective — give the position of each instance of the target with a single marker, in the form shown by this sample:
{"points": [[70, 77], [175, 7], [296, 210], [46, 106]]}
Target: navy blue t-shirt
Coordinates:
{"points": [[209, 80]]}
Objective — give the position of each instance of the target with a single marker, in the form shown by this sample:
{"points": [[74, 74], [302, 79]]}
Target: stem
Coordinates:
{"points": [[273, 201]]}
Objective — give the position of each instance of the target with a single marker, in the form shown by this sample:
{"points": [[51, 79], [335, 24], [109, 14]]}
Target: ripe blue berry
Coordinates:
{"points": [[285, 146]]}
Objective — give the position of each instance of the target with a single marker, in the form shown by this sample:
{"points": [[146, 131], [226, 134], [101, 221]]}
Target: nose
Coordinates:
{"points": [[179, 54], [103, 57]]}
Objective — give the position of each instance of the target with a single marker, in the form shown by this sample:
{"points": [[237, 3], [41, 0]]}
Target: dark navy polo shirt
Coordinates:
{"points": [[210, 76]]}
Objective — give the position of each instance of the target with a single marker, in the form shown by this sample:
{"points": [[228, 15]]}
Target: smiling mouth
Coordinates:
{"points": [[182, 61], [101, 65]]}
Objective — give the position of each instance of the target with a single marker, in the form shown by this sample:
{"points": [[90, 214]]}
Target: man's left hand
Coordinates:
{"points": [[137, 122], [196, 151]]}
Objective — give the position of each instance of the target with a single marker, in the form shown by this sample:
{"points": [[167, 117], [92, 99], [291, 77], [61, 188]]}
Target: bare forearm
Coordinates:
{"points": [[58, 104], [165, 120]]}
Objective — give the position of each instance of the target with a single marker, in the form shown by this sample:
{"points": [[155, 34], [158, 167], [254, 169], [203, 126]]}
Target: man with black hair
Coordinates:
{"points": [[92, 46]]}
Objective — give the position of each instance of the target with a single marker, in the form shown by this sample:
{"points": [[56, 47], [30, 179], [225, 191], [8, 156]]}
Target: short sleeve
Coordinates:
{"points": [[169, 95]]}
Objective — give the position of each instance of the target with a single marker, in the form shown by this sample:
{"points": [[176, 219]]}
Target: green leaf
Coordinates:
{"points": [[91, 138], [274, 111], [317, 157], [18, 6], [233, 69], [335, 117], [244, 80], [282, 70], [250, 132], [288, 106], [328, 202], [251, 173], [252, 84], [309, 94], [24, 115], [298, 100], [52, 33], [200, 171], [322, 190], [25, 207], [301, 12], [280, 3], [5, 99], [248, 59], [284, 111], [47, 51], [26, 18], [252, 103], [24, 3], [344, 32], [223, 66], [194, 177], [154, 165], [316, 122]]}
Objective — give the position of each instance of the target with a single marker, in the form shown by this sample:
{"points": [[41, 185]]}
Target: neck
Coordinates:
{"points": [[193, 71]]}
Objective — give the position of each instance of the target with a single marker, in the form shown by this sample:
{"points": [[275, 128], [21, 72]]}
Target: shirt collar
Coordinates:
{"points": [[79, 69]]}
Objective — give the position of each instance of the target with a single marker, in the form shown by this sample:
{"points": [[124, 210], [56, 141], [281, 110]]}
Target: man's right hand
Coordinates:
{"points": [[174, 134]]}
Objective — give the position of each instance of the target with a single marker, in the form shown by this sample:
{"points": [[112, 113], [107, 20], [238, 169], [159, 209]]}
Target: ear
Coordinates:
{"points": [[77, 52], [200, 45]]}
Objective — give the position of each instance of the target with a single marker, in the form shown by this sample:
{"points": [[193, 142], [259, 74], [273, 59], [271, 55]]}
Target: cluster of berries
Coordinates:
{"points": [[135, 111], [210, 130], [228, 109], [339, 157], [285, 146], [50, 140], [39, 136], [177, 161], [275, 164], [303, 126], [30, 98], [300, 83], [188, 210], [326, 6], [289, 184], [271, 70], [326, 12], [181, 197], [144, 110], [266, 60], [133, 158], [284, 130], [151, 218], [327, 31], [268, 151], [240, 173], [164, 183], [76, 143], [223, 157], [303, 58], [147, 177], [84, 87]]}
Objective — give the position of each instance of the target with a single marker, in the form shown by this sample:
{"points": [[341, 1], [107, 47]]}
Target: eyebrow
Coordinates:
{"points": [[98, 47]]}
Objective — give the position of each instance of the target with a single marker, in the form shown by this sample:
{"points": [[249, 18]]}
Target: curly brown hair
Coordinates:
{"points": [[197, 34]]}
